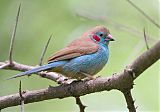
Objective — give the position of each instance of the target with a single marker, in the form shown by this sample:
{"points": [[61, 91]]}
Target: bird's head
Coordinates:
{"points": [[100, 34]]}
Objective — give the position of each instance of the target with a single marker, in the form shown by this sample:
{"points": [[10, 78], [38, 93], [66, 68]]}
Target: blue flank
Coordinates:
{"points": [[89, 64]]}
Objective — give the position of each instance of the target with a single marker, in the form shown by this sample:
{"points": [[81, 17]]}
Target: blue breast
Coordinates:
{"points": [[90, 64]]}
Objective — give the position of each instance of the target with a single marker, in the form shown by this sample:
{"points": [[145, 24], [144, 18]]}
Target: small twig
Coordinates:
{"points": [[144, 14], [129, 101], [79, 103], [13, 36], [145, 38], [4, 65], [22, 98], [44, 51]]}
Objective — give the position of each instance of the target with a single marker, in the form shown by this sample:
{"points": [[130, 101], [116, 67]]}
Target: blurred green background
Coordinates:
{"points": [[68, 19]]}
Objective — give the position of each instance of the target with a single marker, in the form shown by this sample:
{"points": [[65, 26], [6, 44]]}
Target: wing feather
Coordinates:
{"points": [[77, 48]]}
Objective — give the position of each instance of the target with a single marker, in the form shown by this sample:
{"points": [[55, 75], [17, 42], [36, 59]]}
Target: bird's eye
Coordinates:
{"points": [[101, 35]]}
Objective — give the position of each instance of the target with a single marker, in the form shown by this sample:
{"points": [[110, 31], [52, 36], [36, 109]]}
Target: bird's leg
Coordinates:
{"points": [[88, 76]]}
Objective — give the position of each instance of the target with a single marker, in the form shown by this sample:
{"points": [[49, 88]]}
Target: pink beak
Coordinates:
{"points": [[109, 37]]}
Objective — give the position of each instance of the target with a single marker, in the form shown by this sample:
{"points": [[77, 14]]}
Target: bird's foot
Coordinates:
{"points": [[98, 76], [91, 78], [68, 81], [88, 76]]}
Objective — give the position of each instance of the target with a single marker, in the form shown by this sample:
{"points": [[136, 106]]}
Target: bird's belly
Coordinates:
{"points": [[90, 64]]}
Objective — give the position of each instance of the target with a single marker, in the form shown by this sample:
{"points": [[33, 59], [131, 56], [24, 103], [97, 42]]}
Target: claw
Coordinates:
{"points": [[88, 76]]}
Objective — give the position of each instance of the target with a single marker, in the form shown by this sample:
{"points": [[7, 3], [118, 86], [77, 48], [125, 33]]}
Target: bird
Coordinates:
{"points": [[83, 57]]}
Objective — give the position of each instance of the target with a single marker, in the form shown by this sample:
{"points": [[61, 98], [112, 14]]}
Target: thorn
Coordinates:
{"points": [[143, 13], [20, 89], [145, 38], [21, 96], [133, 84], [13, 36], [134, 100], [44, 50]]}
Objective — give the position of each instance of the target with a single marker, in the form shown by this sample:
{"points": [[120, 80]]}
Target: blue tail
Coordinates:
{"points": [[38, 69]]}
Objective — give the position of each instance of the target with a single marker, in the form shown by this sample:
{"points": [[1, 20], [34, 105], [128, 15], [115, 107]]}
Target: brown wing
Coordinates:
{"points": [[77, 48]]}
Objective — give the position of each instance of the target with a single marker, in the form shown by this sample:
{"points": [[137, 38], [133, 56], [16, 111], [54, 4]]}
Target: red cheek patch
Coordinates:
{"points": [[96, 38]]}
